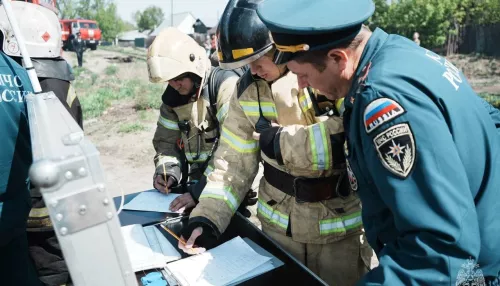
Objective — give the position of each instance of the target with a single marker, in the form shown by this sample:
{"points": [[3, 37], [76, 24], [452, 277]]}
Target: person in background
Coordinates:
{"points": [[416, 37], [79, 47]]}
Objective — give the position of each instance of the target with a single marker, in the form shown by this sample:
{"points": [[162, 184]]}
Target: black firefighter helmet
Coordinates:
{"points": [[241, 36]]}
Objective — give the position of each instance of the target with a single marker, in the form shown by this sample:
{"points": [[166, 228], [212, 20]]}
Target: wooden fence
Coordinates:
{"points": [[481, 39]]}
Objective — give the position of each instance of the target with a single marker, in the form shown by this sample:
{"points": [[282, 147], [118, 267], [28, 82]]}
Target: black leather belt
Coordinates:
{"points": [[309, 190]]}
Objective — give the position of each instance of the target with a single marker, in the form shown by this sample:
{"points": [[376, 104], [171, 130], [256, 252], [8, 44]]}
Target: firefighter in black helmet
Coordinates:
{"points": [[271, 118]]}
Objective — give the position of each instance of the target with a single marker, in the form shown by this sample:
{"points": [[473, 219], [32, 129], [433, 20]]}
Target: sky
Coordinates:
{"points": [[206, 10]]}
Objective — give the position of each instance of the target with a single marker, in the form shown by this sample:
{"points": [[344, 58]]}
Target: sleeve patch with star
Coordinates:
{"points": [[396, 149], [379, 111]]}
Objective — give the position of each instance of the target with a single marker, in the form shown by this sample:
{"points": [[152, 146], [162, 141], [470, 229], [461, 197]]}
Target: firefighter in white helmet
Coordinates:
{"points": [[305, 203], [42, 33], [195, 104]]}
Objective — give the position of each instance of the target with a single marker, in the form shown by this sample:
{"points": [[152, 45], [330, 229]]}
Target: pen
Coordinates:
{"points": [[173, 234], [165, 177]]}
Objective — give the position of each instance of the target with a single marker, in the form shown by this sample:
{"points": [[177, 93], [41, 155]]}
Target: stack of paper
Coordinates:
{"points": [[152, 201], [226, 264], [147, 247]]}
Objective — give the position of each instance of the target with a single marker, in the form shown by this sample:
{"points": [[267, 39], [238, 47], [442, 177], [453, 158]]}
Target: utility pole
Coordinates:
{"points": [[171, 13]]}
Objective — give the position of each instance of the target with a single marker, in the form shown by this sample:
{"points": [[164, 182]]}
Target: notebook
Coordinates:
{"points": [[147, 247], [152, 201], [226, 264]]}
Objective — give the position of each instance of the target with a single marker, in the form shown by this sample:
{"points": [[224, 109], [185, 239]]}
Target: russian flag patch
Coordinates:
{"points": [[379, 111]]}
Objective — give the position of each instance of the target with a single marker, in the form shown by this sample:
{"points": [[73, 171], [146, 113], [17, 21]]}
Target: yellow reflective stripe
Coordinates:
{"points": [[274, 216], [239, 53], [251, 108], [71, 95], [305, 103], [341, 224], [219, 54], [39, 212], [339, 104], [169, 124], [208, 171], [319, 147], [203, 157], [220, 192], [238, 144], [222, 112]]}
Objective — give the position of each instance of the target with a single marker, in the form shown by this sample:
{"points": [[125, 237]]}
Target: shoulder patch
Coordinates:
{"points": [[379, 111], [244, 82], [396, 149]]}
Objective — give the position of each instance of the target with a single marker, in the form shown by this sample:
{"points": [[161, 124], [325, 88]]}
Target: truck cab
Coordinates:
{"points": [[89, 31]]}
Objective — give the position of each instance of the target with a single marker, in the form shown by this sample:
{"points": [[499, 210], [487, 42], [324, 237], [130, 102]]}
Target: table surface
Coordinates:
{"points": [[292, 271]]}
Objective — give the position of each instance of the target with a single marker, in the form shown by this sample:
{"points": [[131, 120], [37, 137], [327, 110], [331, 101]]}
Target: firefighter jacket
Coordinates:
{"points": [[188, 127], [306, 147]]}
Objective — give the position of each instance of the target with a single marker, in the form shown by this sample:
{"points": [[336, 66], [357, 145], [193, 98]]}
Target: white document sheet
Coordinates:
{"points": [[147, 247], [218, 266], [268, 266], [152, 201]]}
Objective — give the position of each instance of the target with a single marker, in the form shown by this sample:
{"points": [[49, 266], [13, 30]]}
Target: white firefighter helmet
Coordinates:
{"points": [[173, 53], [40, 28]]}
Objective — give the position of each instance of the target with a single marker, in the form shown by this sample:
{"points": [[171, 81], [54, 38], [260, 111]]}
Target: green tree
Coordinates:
{"points": [[67, 8], [106, 15], [150, 18], [127, 26], [430, 18], [434, 20], [380, 17]]}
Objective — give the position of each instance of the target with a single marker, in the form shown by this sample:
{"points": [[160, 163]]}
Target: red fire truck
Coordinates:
{"points": [[89, 31]]}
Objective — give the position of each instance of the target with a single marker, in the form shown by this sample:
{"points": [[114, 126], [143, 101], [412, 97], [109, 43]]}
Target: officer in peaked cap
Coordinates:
{"points": [[422, 149]]}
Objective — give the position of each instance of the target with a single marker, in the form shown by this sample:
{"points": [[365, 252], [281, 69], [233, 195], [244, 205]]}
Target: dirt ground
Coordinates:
{"points": [[127, 158]]}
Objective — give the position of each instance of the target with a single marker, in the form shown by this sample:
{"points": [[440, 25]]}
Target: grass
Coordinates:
{"points": [[145, 115], [131, 128], [111, 70], [99, 97], [493, 99]]}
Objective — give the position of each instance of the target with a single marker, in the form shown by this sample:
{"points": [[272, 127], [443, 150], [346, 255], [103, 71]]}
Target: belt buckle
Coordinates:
{"points": [[297, 200]]}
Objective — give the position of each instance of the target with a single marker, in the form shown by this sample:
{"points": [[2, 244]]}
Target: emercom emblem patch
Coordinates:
{"points": [[396, 149], [380, 111]]}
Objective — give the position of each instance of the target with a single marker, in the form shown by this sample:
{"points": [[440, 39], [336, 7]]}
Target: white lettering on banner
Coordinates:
{"points": [[13, 95], [6, 80], [17, 81], [452, 74]]}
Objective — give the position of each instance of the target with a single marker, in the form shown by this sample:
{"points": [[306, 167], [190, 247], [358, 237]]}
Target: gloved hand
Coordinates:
{"points": [[249, 200], [162, 186], [200, 233]]}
